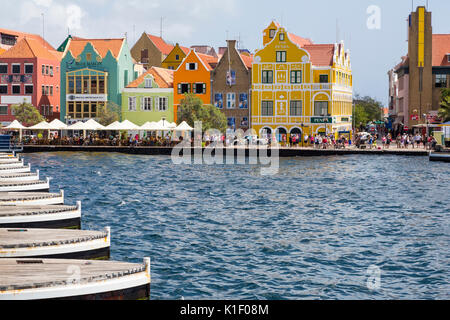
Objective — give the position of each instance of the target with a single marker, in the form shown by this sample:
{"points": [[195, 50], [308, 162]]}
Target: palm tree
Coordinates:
{"points": [[444, 111]]}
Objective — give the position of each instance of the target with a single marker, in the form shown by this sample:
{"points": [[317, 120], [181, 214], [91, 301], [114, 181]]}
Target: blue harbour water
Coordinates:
{"points": [[310, 232]]}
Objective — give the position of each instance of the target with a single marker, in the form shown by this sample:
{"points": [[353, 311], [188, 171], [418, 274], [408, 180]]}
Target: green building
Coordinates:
{"points": [[93, 73], [149, 98]]}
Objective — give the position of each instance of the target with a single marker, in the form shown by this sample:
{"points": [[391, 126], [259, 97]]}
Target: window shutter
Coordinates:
{"points": [[179, 88], [204, 88], [156, 103], [189, 88], [187, 66]]}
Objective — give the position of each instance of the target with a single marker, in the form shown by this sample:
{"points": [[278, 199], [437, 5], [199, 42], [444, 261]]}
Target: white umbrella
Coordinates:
{"points": [[113, 126], [44, 125], [93, 125], [129, 126], [184, 127], [57, 125], [77, 126], [149, 126], [16, 125], [163, 125], [173, 125]]}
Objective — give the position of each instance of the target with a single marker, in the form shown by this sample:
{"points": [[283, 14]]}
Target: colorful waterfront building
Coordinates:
{"points": [[151, 50], [231, 85], [194, 76], [175, 57], [30, 72], [93, 72], [299, 87], [149, 98]]}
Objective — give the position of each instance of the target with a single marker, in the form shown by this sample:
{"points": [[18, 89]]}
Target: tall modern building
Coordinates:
{"points": [[416, 82]]}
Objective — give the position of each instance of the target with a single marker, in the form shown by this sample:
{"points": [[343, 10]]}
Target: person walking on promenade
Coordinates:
{"points": [[398, 141], [306, 139], [417, 140], [384, 142], [388, 141]]}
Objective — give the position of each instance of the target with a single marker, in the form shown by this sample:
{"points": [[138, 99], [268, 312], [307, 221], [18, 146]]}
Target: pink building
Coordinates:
{"points": [[30, 72]]}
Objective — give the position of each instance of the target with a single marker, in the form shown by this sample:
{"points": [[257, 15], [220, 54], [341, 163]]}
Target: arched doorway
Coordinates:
{"points": [[265, 133], [281, 135], [295, 136]]}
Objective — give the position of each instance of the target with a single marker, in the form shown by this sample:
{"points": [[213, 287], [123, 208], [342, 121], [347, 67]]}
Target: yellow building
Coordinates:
{"points": [[175, 57], [299, 87]]}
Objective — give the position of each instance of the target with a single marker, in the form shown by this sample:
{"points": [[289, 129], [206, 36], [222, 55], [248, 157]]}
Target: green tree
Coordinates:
{"points": [[192, 109], [444, 111], [366, 110], [27, 114], [108, 113]]}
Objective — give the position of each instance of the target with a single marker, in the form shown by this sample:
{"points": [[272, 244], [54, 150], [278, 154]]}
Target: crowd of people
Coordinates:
{"points": [[402, 141]]}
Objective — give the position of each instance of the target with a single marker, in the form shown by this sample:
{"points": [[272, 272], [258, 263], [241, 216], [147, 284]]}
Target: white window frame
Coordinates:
{"points": [[148, 80], [163, 104], [301, 108], [16, 64], [188, 66], [231, 100], [4, 85], [25, 68], [7, 108], [147, 104], [12, 89], [131, 103], [4, 64], [281, 56]]}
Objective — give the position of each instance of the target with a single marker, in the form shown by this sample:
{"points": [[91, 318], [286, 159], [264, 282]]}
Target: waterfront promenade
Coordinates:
{"points": [[284, 152]]}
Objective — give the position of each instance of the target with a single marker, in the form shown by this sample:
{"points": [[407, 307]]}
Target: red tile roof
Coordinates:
{"points": [[248, 60], [162, 45], [163, 78], [209, 61], [31, 48], [321, 54], [102, 46], [20, 35], [301, 42], [441, 47]]}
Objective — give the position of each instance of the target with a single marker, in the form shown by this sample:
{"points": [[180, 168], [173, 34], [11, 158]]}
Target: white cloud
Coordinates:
{"points": [[74, 16], [43, 3]]}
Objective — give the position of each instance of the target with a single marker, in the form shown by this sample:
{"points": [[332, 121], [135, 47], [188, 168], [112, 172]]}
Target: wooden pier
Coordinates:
{"points": [[47, 217], [37, 279], [31, 198], [54, 244]]}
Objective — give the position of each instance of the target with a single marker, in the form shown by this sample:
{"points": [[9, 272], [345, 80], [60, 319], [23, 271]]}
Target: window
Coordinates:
{"points": [[132, 104], [296, 77], [101, 85], [282, 36], [231, 100], [78, 84], [272, 33], [47, 90], [267, 76], [296, 108], [3, 68], [321, 108], [441, 81], [448, 57], [43, 90], [28, 89], [16, 68], [267, 108], [281, 56], [88, 56], [29, 68], [191, 66], [323, 78], [51, 71], [177, 57], [161, 104], [146, 104], [148, 82], [184, 88], [47, 70], [171, 68], [4, 89], [200, 88], [43, 69], [15, 89], [51, 90], [4, 110], [9, 40]]}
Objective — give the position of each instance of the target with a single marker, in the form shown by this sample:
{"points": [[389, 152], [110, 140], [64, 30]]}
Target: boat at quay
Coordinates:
{"points": [[55, 244], [39, 279], [12, 164], [31, 198], [20, 169], [440, 156], [45, 216]]}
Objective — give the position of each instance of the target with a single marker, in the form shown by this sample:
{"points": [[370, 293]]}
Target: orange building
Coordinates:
{"points": [[194, 76]]}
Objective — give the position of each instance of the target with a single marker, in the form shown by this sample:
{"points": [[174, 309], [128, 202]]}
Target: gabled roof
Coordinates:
{"points": [[31, 48], [209, 61], [248, 60], [20, 35], [301, 42], [102, 46], [441, 47], [162, 45], [162, 77], [321, 54]]}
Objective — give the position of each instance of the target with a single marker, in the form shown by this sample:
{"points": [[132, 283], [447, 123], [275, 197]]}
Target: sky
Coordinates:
{"points": [[375, 31]]}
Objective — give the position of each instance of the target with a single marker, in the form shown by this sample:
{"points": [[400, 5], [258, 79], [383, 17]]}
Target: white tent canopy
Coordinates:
{"points": [[149, 126], [44, 125], [15, 125], [77, 126], [93, 125], [113, 126], [184, 127], [57, 125], [123, 126]]}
